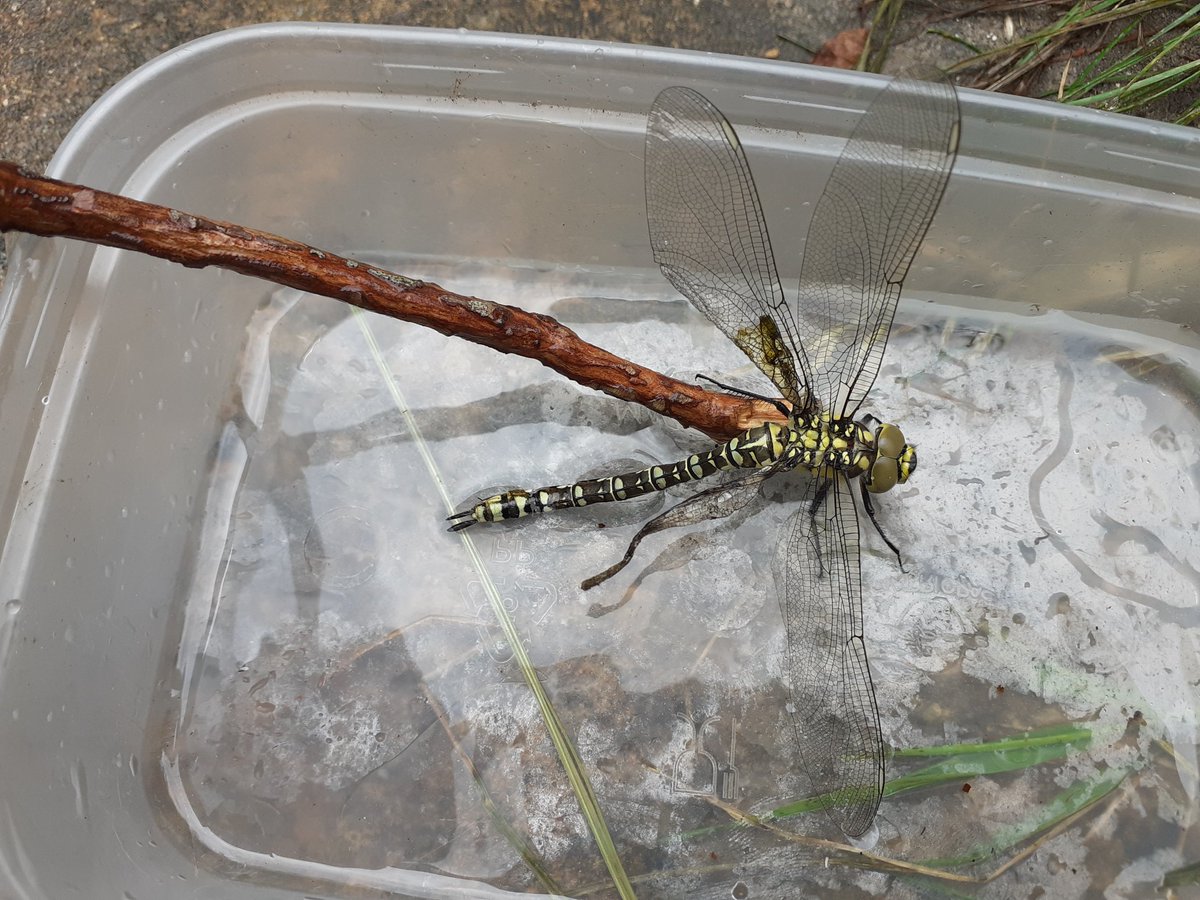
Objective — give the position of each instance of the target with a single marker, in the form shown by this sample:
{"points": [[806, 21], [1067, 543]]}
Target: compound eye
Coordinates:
{"points": [[884, 475], [889, 441]]}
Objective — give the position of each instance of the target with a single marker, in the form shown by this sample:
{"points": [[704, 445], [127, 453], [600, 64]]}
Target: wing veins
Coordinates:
{"points": [[709, 235], [868, 224], [836, 720]]}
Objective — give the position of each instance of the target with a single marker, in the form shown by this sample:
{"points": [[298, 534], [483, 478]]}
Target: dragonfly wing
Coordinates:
{"points": [[708, 234], [865, 231], [835, 717]]}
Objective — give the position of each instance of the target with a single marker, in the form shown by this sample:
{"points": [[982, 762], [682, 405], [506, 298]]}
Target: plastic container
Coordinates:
{"points": [[241, 658]]}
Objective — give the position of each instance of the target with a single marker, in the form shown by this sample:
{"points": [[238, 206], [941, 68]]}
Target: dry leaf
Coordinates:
{"points": [[843, 50]]}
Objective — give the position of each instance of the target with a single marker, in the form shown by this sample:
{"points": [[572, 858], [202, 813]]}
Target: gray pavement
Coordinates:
{"points": [[57, 57]]}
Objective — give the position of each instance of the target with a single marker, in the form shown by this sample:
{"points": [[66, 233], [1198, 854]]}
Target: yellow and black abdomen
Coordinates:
{"points": [[759, 446]]}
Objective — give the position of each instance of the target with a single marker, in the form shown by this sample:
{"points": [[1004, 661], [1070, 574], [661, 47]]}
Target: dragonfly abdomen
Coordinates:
{"points": [[752, 449]]}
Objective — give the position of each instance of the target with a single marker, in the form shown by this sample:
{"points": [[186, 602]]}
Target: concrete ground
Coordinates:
{"points": [[57, 57]]}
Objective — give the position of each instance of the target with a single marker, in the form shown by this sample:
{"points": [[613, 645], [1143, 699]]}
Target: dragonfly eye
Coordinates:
{"points": [[894, 461], [884, 475], [889, 441]]}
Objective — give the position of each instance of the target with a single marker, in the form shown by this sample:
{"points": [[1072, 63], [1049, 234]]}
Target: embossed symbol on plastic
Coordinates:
{"points": [[696, 770]]}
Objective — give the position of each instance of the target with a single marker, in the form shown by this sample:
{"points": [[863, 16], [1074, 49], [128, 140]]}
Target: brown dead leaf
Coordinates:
{"points": [[842, 51]]}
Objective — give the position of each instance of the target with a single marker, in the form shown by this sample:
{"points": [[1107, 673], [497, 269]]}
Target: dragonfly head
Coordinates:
{"points": [[888, 458]]}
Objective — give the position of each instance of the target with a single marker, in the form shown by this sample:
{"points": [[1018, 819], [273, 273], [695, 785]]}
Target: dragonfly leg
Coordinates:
{"points": [[730, 389], [866, 497], [715, 503], [814, 507]]}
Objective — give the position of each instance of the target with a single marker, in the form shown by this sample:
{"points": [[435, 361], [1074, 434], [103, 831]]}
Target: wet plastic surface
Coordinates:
{"points": [[242, 658]]}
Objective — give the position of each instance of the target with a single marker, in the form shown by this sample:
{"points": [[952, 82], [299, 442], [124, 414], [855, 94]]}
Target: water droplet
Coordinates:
{"points": [[12, 607], [46, 400], [79, 783], [342, 548]]}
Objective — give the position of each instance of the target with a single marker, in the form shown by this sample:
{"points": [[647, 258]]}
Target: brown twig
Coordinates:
{"points": [[43, 206]]}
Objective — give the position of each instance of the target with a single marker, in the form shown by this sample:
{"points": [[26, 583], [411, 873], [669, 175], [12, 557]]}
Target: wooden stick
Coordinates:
{"points": [[44, 206]]}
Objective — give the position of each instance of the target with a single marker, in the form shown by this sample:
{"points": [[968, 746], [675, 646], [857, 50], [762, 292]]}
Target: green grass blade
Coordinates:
{"points": [[1191, 115], [1134, 93], [1068, 733], [964, 761], [993, 759], [1143, 59], [1073, 18], [567, 754], [1071, 801], [1119, 81], [1079, 17], [954, 38], [881, 35], [1170, 87], [1088, 78], [515, 839], [1182, 876]]}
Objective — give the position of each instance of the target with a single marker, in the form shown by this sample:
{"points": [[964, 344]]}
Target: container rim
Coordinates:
{"points": [[1157, 139]]}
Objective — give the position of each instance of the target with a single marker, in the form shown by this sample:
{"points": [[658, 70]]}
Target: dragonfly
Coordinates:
{"points": [[822, 349]]}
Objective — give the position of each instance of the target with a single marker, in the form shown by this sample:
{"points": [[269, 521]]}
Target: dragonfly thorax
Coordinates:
{"points": [[869, 449]]}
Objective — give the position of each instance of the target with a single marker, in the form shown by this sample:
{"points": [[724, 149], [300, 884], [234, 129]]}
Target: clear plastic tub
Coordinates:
{"points": [[241, 657]]}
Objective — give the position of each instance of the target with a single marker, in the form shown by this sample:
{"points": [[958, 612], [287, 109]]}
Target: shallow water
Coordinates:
{"points": [[341, 659]]}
